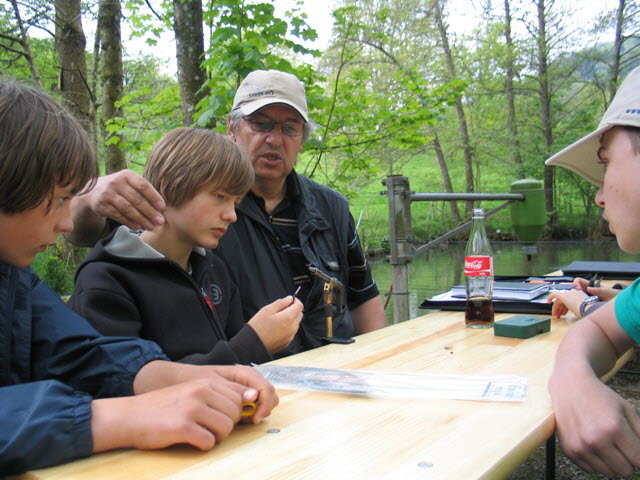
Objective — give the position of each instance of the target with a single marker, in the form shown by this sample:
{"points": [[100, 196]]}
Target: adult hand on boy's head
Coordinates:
{"points": [[277, 323], [123, 196], [129, 199]]}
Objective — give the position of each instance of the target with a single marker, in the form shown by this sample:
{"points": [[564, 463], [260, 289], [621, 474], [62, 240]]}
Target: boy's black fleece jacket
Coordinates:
{"points": [[124, 287]]}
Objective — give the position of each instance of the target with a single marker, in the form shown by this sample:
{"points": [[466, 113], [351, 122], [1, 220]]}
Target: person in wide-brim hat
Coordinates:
{"points": [[597, 428]]}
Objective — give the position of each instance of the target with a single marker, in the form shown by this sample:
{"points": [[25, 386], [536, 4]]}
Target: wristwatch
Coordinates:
{"points": [[590, 300]]}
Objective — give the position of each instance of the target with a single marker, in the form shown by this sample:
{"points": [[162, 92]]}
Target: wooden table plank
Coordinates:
{"points": [[329, 436]]}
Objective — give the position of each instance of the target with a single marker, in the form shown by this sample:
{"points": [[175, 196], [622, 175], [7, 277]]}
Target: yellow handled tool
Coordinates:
{"points": [[248, 409]]}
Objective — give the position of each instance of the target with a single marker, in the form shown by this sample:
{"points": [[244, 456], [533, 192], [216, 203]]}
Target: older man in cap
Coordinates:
{"points": [[286, 224], [597, 428]]}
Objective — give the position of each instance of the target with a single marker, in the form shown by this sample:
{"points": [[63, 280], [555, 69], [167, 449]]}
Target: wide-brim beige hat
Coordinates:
{"points": [[267, 87], [582, 156]]}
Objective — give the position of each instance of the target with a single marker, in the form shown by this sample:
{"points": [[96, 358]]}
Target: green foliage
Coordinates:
{"points": [[381, 107], [144, 21], [149, 106], [57, 265], [247, 37], [54, 272], [55, 275], [45, 59]]}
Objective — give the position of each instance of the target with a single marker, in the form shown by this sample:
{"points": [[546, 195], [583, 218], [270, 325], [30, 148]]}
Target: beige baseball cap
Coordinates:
{"points": [[266, 87], [582, 156]]}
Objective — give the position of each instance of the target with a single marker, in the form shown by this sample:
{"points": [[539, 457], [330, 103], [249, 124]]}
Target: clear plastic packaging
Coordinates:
{"points": [[499, 388]]}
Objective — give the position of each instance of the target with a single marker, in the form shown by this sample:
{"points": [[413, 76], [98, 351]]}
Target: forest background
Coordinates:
{"points": [[399, 88]]}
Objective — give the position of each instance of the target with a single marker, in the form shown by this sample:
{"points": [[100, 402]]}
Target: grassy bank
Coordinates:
{"points": [[432, 219]]}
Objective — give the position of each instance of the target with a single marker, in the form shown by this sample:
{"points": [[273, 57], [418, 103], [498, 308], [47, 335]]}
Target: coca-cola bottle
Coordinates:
{"points": [[478, 275]]}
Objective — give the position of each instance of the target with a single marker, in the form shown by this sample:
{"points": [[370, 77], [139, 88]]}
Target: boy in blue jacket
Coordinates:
{"points": [[65, 390]]}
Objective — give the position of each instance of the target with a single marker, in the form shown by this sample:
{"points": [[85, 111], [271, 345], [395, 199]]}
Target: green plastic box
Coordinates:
{"points": [[521, 326]]}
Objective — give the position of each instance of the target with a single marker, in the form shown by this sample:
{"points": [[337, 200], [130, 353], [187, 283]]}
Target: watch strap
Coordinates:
{"points": [[586, 302]]}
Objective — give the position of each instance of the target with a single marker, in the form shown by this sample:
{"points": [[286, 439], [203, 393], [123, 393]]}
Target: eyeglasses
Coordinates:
{"points": [[290, 129]]}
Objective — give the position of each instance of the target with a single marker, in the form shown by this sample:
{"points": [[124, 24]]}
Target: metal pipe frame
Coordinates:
{"points": [[400, 197], [452, 197]]}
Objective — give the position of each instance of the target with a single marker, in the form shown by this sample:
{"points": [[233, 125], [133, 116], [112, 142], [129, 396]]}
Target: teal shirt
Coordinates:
{"points": [[627, 307]]}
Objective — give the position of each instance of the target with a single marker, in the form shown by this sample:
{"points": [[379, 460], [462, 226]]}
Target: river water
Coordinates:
{"points": [[440, 268]]}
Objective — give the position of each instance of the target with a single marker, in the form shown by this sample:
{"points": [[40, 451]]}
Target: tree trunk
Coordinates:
{"points": [[513, 126], [189, 53], [95, 67], [109, 19], [447, 186], [26, 46], [70, 44], [545, 106], [462, 121], [617, 47]]}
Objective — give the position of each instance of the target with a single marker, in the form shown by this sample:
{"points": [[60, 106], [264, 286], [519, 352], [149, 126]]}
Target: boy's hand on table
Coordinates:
{"points": [[257, 390], [603, 293], [200, 412], [597, 428], [571, 300], [565, 301], [249, 384]]}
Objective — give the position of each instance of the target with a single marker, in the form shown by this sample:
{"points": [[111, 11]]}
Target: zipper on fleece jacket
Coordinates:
{"points": [[207, 299], [204, 299]]}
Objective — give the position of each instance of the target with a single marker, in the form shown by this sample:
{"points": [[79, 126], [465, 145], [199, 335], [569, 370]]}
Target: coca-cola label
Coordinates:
{"points": [[478, 266]]}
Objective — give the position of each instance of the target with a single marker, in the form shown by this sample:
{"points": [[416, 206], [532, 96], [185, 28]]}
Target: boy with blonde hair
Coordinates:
{"points": [[58, 376], [165, 285]]}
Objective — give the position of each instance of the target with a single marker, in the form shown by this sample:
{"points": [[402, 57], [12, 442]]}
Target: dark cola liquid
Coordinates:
{"points": [[479, 313]]}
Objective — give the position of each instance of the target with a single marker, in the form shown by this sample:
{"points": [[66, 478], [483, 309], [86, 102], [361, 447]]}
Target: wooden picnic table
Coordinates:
{"points": [[325, 436]]}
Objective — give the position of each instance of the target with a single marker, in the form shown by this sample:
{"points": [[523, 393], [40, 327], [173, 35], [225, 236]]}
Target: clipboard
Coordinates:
{"points": [[537, 306], [615, 270], [499, 306]]}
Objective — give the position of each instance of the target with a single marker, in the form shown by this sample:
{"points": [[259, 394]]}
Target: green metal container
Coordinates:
{"points": [[528, 217], [521, 326]]}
